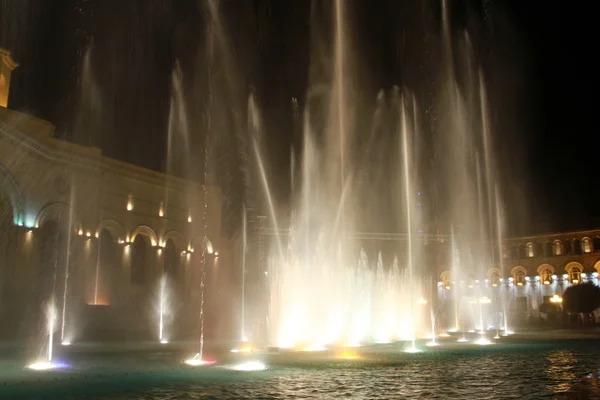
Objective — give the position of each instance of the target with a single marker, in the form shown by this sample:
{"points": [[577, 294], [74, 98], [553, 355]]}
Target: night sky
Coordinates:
{"points": [[538, 57]]}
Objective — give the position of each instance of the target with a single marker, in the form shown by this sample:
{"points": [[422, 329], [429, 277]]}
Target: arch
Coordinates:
{"points": [[597, 266], [572, 265], [545, 271], [56, 212], [144, 230], [519, 273], [177, 238], [494, 275], [9, 184], [204, 243], [543, 267], [115, 228], [574, 270]]}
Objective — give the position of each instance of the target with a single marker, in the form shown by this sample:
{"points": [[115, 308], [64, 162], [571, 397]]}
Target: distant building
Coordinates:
{"points": [[78, 228]]}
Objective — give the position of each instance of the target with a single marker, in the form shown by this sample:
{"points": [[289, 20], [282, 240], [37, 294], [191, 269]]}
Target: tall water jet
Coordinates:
{"points": [[162, 309], [63, 324], [244, 256], [408, 209]]}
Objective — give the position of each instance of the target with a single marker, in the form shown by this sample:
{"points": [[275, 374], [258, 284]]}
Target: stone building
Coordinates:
{"points": [[533, 270], [91, 238]]}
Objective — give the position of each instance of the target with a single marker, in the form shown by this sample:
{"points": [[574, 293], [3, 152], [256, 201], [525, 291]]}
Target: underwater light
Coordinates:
{"points": [[433, 343], [249, 366], [463, 340], [246, 349], [197, 361], [315, 348], [483, 342], [412, 350], [45, 365], [164, 341], [66, 343]]}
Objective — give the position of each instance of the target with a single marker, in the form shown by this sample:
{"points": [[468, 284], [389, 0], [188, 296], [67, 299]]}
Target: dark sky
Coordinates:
{"points": [[538, 58]]}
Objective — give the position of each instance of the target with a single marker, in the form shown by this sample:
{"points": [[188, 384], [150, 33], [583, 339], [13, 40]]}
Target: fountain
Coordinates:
{"points": [[325, 288]]}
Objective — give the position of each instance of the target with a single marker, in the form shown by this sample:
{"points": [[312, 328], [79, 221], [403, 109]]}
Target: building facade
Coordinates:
{"points": [[89, 234], [533, 270]]}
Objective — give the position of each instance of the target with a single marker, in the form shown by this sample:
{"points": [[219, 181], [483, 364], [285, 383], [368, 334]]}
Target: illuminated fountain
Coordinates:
{"points": [[48, 362], [325, 288]]}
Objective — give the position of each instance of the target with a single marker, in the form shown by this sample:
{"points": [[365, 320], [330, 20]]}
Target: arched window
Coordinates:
{"points": [[546, 276], [519, 277], [557, 248], [575, 275], [586, 245], [495, 279], [530, 250]]}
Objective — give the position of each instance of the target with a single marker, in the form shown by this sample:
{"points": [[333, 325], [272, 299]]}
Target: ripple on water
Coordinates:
{"points": [[510, 373]]}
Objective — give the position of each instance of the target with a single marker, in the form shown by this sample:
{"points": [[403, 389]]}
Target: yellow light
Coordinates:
{"points": [[130, 203], [485, 300], [546, 282], [519, 283], [575, 281], [448, 287], [80, 232], [556, 299], [189, 218], [422, 301], [494, 285], [161, 210]]}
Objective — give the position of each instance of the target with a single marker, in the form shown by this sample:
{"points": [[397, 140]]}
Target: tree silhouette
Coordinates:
{"points": [[584, 298]]}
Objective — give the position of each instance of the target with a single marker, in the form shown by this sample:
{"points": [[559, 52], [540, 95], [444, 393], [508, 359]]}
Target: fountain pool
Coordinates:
{"points": [[451, 371]]}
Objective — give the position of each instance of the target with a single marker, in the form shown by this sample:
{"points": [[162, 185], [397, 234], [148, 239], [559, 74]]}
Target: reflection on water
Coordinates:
{"points": [[561, 370], [502, 371]]}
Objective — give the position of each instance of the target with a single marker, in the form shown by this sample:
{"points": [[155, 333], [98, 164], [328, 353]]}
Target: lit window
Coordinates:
{"points": [[557, 248], [530, 250], [519, 278], [575, 275], [586, 245], [546, 276]]}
